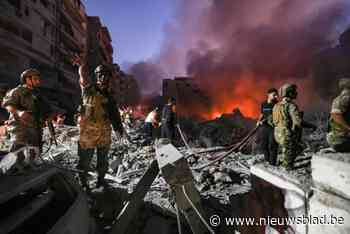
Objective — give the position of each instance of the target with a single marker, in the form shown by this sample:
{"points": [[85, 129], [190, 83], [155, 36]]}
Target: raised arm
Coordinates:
{"points": [[83, 72]]}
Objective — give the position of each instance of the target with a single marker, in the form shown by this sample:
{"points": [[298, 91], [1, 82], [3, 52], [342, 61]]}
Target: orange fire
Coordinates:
{"points": [[246, 93]]}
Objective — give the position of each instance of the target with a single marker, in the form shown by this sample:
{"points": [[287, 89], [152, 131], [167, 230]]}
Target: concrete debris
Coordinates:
{"points": [[238, 178]]}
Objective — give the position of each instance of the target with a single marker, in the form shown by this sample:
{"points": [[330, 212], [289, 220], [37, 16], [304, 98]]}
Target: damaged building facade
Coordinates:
{"points": [[45, 34]]}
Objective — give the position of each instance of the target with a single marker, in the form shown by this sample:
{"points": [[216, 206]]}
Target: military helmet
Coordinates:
{"points": [[344, 83], [29, 72], [287, 90], [102, 68]]}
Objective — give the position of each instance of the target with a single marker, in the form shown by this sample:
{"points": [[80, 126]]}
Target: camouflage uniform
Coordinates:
{"points": [[287, 121], [30, 132], [338, 137], [98, 112]]}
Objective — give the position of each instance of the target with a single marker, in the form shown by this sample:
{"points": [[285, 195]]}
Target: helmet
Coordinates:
{"points": [[288, 90], [28, 72], [344, 83], [102, 68]]}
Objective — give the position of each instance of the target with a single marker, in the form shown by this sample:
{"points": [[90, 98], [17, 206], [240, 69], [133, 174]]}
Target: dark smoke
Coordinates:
{"points": [[149, 76], [227, 44]]}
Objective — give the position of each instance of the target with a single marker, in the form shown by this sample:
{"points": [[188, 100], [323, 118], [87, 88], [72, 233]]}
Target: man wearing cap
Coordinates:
{"points": [[98, 114], [339, 135], [28, 112]]}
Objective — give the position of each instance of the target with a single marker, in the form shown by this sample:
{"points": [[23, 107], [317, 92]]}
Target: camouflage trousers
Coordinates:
{"points": [[85, 157], [288, 143]]}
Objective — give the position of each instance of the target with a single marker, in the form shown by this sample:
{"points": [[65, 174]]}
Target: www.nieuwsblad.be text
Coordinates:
{"points": [[216, 220]]}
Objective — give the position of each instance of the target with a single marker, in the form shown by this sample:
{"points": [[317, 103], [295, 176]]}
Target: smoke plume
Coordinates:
{"points": [[237, 49]]}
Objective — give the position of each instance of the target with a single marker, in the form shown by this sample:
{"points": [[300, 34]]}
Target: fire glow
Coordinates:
{"points": [[247, 92], [244, 93]]}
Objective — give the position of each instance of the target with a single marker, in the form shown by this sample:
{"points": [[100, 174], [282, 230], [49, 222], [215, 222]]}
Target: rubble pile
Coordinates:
{"points": [[130, 160], [222, 185], [224, 130]]}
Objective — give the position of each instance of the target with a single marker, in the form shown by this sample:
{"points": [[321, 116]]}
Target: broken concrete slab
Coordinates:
{"points": [[295, 188], [331, 214], [283, 179], [331, 172]]}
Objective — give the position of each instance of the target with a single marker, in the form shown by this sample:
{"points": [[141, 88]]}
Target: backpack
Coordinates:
{"points": [[280, 115]]}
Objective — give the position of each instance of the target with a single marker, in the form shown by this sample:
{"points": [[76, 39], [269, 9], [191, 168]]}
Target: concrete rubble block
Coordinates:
{"points": [[294, 187], [282, 179], [331, 172], [332, 210]]}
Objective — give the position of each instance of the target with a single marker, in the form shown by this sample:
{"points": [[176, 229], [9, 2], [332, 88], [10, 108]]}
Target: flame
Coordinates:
{"points": [[247, 92]]}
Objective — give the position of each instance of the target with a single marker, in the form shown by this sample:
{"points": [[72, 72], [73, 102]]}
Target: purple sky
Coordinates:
{"points": [[136, 26]]}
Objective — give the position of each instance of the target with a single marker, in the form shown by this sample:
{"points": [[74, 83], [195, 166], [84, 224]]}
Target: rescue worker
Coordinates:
{"points": [[97, 114], [268, 143], [339, 135], [151, 122], [28, 112], [169, 120], [287, 122]]}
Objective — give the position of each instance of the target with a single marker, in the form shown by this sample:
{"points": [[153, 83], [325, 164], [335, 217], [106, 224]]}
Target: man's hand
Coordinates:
{"points": [[83, 73]]}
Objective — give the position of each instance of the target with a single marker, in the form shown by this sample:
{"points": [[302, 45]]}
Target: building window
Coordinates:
{"points": [[52, 50], [45, 27], [15, 3], [26, 11], [27, 35], [10, 27], [53, 32], [45, 3]]}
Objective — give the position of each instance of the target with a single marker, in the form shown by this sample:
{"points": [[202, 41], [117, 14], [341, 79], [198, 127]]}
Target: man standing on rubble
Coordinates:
{"points": [[97, 113], [339, 135], [287, 121], [151, 122], [169, 120], [28, 112], [268, 143]]}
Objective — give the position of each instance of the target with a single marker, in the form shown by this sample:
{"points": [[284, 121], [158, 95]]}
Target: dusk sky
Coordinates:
{"points": [[136, 26]]}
